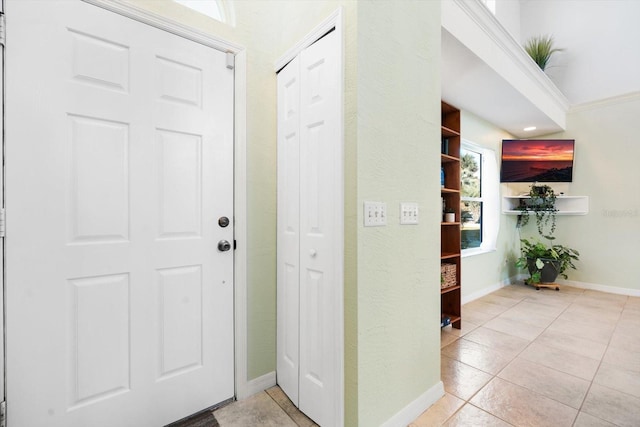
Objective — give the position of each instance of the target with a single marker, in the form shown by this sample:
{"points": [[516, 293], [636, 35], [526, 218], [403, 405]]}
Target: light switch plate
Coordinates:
{"points": [[375, 214], [408, 213]]}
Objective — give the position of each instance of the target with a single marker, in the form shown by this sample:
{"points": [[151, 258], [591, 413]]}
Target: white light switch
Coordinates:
{"points": [[375, 214], [408, 213]]}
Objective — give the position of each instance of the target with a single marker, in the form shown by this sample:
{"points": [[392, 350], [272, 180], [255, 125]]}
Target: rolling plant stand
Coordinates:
{"points": [[543, 285]]}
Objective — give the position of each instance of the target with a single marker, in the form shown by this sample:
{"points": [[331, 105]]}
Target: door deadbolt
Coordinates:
{"points": [[223, 221], [224, 245]]}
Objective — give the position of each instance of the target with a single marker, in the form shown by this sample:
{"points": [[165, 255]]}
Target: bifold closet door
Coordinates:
{"points": [[309, 209]]}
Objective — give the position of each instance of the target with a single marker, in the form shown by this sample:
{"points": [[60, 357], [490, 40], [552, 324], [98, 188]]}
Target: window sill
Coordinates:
{"points": [[476, 251]]}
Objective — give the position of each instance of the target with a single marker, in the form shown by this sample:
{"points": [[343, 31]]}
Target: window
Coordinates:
{"points": [[479, 196], [490, 4], [211, 8]]}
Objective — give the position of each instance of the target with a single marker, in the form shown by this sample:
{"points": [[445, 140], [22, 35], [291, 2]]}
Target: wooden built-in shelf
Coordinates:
{"points": [[450, 247]]}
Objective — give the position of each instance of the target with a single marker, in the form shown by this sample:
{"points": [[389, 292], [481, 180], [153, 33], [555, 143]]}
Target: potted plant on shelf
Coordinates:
{"points": [[542, 204], [449, 215], [545, 263], [540, 49]]}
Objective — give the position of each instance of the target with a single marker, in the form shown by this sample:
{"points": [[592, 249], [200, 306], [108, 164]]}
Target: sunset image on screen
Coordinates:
{"points": [[544, 160]]}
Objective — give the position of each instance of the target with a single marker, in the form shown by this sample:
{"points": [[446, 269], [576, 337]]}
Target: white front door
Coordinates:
{"points": [[119, 163], [310, 236]]}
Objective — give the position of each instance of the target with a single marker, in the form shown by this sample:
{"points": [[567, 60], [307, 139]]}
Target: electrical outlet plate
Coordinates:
{"points": [[375, 214], [408, 213]]}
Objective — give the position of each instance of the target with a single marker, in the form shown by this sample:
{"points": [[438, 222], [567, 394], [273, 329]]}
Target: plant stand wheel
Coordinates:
{"points": [[543, 285]]}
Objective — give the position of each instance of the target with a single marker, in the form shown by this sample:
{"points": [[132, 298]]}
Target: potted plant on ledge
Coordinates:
{"points": [[542, 204], [545, 263]]}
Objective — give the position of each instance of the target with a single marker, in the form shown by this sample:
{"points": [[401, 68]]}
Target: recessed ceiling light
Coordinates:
{"points": [[529, 129]]}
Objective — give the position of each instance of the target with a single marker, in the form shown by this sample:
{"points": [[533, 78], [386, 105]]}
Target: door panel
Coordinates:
{"points": [[288, 234], [119, 147], [320, 183]]}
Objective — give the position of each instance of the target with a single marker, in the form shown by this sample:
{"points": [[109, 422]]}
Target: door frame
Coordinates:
{"points": [[237, 59], [334, 22]]}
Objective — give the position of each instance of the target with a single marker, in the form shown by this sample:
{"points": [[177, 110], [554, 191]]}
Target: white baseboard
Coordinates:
{"points": [[413, 410], [601, 288], [485, 291], [259, 384], [576, 284]]}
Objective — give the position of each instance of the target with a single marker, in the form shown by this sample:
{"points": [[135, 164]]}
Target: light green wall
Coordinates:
{"points": [[398, 159], [605, 169], [487, 270]]}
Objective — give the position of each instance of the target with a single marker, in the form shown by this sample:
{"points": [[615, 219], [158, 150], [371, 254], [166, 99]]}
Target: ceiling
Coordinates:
{"points": [[470, 84]]}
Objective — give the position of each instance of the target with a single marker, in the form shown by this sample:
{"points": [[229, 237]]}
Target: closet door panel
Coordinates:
{"points": [[320, 186], [288, 233]]}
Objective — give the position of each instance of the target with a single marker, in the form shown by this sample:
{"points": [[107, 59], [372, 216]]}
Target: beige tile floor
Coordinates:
{"points": [[523, 358], [271, 408], [541, 358]]}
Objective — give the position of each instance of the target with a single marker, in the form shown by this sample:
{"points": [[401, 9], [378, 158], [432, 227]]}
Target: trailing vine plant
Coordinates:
{"points": [[542, 203]]}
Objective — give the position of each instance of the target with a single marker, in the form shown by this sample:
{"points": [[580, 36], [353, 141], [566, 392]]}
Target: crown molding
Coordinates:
{"points": [[606, 102]]}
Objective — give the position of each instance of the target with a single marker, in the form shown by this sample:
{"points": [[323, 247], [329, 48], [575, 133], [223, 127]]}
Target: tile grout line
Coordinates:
{"points": [[599, 365]]}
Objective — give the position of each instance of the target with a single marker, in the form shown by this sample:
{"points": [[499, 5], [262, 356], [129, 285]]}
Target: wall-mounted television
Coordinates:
{"points": [[537, 160]]}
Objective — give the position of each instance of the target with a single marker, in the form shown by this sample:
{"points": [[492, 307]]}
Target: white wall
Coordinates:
{"points": [[508, 13], [484, 272], [606, 169], [600, 38]]}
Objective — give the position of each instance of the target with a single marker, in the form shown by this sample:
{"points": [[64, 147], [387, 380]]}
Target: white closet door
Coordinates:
{"points": [[310, 209], [288, 255]]}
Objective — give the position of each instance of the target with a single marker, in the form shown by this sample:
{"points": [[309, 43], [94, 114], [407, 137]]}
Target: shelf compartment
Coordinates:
{"points": [[453, 317], [450, 240], [451, 175], [456, 321]]}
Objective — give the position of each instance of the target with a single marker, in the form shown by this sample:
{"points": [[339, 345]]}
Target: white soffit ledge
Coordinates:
{"points": [[486, 71]]}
